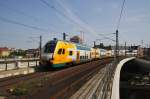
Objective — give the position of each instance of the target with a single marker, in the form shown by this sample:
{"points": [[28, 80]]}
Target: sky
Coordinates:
{"points": [[23, 21]]}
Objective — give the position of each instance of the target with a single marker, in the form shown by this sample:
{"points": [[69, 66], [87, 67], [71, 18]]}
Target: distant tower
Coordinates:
{"points": [[82, 37], [64, 36], [142, 43]]}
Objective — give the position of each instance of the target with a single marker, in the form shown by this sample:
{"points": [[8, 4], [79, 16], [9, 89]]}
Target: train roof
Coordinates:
{"points": [[79, 45]]}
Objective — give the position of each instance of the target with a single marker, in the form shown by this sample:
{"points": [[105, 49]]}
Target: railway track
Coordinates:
{"points": [[57, 83], [6, 82], [64, 87], [79, 80]]}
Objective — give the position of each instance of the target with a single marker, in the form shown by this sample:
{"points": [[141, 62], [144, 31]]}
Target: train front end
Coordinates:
{"points": [[48, 53]]}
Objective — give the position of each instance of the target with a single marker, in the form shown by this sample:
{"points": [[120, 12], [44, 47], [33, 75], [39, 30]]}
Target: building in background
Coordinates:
{"points": [[32, 53], [125, 50], [76, 39], [17, 53], [140, 51], [4, 52]]}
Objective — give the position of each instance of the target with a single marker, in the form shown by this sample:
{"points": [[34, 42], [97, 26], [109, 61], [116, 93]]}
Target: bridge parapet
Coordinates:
{"points": [[102, 84], [116, 80]]}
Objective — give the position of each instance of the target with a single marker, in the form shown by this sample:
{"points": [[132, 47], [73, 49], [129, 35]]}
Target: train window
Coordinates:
{"points": [[59, 51], [80, 57], [83, 57], [50, 47], [70, 53], [63, 52]]}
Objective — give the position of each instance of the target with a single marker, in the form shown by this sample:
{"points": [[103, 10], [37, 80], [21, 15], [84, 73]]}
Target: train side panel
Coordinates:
{"points": [[65, 53], [84, 53], [95, 53], [102, 53]]}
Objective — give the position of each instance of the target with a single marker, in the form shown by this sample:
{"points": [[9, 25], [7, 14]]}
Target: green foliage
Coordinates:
{"points": [[19, 91], [104, 47], [18, 53], [101, 45], [109, 47]]}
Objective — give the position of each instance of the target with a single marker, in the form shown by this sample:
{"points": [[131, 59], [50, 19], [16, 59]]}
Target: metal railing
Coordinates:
{"points": [[9, 64]]}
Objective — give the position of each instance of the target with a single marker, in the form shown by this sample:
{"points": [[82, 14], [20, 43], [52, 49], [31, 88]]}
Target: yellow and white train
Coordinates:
{"points": [[59, 53]]}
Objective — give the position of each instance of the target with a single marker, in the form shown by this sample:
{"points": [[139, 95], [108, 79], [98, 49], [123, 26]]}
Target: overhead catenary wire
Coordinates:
{"points": [[109, 38], [118, 23], [106, 34], [55, 9], [33, 17], [26, 15], [18, 12], [22, 24], [103, 35], [61, 13], [120, 15]]}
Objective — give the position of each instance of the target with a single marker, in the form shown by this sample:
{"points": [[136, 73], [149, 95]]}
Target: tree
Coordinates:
{"points": [[101, 45], [109, 47], [17, 53]]}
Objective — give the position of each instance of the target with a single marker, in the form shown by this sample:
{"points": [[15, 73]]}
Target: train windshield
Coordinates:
{"points": [[50, 47]]}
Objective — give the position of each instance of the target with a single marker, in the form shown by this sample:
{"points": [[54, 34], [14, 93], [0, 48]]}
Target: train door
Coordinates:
{"points": [[59, 55], [78, 56], [63, 57]]}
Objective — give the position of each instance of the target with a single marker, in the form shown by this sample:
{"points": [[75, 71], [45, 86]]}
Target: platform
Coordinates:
{"points": [[15, 72]]}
